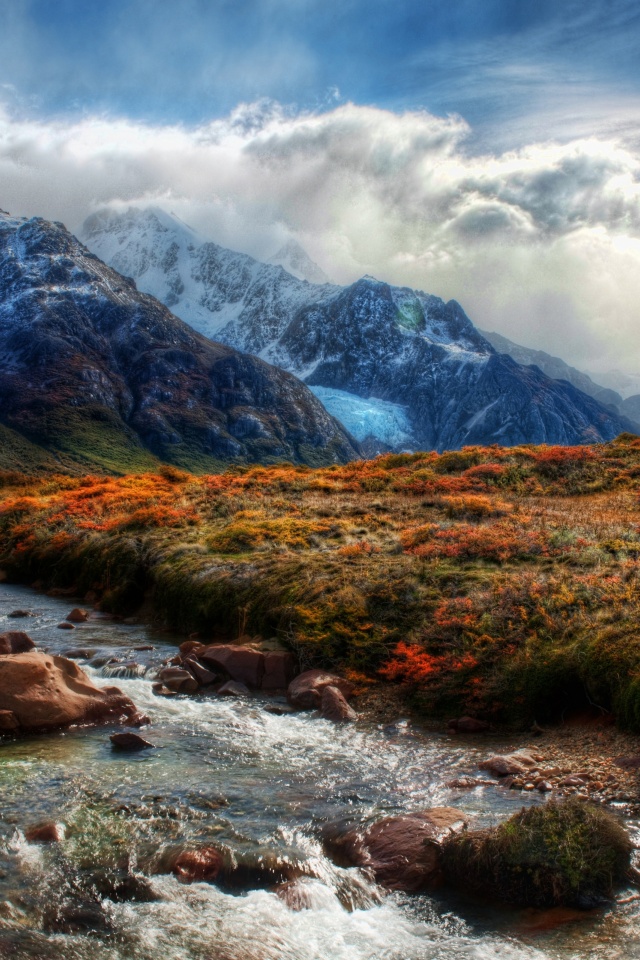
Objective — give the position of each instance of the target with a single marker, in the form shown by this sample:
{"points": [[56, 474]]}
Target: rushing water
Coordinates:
{"points": [[230, 772]]}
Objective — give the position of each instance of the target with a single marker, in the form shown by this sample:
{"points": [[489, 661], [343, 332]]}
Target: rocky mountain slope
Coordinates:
{"points": [[94, 372], [399, 367]]}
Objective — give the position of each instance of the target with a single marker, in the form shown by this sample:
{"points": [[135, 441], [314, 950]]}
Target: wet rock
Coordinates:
{"points": [[243, 664], [15, 641], [202, 675], [65, 625], [305, 691], [234, 689], [468, 783], [76, 916], [334, 707], [121, 886], [468, 725], [279, 670], [130, 742], [78, 654], [78, 615], [279, 709], [20, 614], [402, 852], [44, 692], [48, 832], [511, 764], [178, 680], [143, 647], [297, 894], [197, 865], [191, 648]]}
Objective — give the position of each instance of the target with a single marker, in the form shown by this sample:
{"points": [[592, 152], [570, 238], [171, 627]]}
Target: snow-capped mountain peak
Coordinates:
{"points": [[298, 263]]}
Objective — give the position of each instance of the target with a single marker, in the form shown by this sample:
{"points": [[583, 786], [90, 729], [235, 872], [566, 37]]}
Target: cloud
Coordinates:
{"points": [[541, 243]]}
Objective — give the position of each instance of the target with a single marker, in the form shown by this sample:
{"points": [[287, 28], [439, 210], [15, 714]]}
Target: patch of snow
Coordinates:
{"points": [[386, 421], [298, 263]]}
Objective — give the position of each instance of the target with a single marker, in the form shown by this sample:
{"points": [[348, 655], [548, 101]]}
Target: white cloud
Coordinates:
{"points": [[542, 244]]}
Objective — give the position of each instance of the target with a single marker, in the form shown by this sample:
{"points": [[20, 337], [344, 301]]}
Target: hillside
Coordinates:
{"points": [[94, 374], [501, 582]]}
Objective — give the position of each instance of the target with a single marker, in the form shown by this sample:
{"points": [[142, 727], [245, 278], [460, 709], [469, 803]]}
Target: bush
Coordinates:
{"points": [[568, 853]]}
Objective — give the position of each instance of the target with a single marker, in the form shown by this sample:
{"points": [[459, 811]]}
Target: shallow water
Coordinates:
{"points": [[230, 772]]}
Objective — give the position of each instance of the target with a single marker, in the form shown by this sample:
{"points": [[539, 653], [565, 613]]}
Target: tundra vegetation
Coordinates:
{"points": [[497, 582]]}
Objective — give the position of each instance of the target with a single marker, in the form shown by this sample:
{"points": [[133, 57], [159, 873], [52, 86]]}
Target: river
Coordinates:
{"points": [[231, 772]]}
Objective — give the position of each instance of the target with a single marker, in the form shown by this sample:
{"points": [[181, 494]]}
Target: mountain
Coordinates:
{"points": [[298, 263], [400, 368], [94, 372], [555, 368]]}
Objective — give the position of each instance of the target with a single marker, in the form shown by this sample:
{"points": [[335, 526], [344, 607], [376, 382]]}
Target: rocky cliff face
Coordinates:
{"points": [[400, 368], [96, 371]]}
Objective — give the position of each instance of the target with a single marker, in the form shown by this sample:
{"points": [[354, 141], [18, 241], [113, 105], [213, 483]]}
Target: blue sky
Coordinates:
{"points": [[485, 150], [502, 64]]}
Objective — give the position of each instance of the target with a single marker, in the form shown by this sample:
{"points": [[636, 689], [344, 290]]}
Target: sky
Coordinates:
{"points": [[483, 151]]}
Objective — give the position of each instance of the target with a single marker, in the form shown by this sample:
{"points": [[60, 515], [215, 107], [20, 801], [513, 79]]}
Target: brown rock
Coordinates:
{"points": [[20, 614], [279, 670], [129, 742], [79, 653], [305, 692], [8, 721], [297, 894], [239, 663], [195, 866], [15, 641], [403, 852], [48, 832], [334, 707], [468, 783], [78, 615], [234, 689], [468, 725], [628, 763], [203, 676], [190, 647], [44, 692], [65, 625], [503, 765], [178, 680]]}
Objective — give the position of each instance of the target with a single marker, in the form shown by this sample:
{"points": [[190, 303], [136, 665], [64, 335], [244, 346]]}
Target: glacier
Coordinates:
{"points": [[385, 421]]}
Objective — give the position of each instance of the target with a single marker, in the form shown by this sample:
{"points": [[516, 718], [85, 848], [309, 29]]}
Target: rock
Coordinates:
{"points": [[8, 721], [239, 663], [78, 653], [65, 625], [544, 786], [279, 709], [402, 852], [468, 783], [48, 832], [15, 641], [279, 670], [178, 680], [234, 689], [508, 764], [130, 742], [572, 781], [45, 692], [19, 614], [76, 916], [468, 725], [334, 707], [199, 673], [196, 866], [191, 647], [297, 894], [305, 692], [628, 763], [78, 615]]}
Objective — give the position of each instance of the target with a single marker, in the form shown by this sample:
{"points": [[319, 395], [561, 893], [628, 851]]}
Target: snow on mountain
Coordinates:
{"points": [[370, 341], [298, 263], [368, 419]]}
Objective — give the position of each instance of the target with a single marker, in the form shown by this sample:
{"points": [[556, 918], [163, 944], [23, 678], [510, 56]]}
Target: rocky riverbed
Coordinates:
{"points": [[244, 776]]}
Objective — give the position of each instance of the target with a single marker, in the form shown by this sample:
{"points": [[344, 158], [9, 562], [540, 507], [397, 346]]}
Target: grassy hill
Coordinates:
{"points": [[501, 582]]}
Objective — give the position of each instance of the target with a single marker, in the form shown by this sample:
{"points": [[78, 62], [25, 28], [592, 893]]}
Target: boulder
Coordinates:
{"points": [[243, 664], [65, 625], [201, 674], [178, 680], [15, 641], [44, 692], [20, 614], [191, 647], [234, 689], [198, 865], [78, 653], [305, 692], [129, 742], [401, 852], [279, 670], [78, 615], [48, 832], [334, 707], [468, 725], [8, 721], [510, 764]]}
